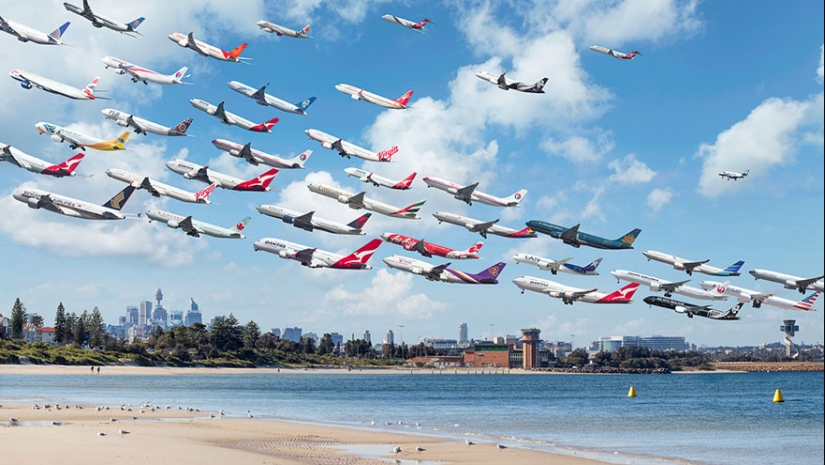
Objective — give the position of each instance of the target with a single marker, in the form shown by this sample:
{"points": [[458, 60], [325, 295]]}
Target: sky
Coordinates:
{"points": [[613, 145]]}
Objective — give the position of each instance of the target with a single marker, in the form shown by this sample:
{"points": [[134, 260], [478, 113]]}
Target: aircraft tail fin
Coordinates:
{"points": [[386, 155], [358, 259], [264, 127], [490, 275], [183, 126], [117, 144], [119, 200], [89, 90], [236, 52], [414, 208], [745, 174], [240, 225], [260, 183], [203, 194], [298, 162], [514, 199], [630, 237], [473, 249], [540, 85], [66, 168], [526, 232], [359, 222], [405, 183], [134, 24], [404, 98], [733, 270], [305, 30], [622, 296], [807, 303], [57, 33], [591, 267], [181, 73], [304, 104]]}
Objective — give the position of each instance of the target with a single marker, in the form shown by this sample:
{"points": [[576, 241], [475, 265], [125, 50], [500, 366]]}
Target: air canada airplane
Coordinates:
{"points": [[759, 298], [157, 188], [443, 272], [614, 53], [27, 34], [790, 281], [572, 236], [358, 93], [191, 170], [506, 84], [469, 194], [255, 157], [417, 27], [101, 21], [81, 141], [690, 309], [358, 201], [139, 73], [262, 98], [314, 258], [428, 249], [310, 222], [378, 181], [669, 287], [284, 31], [689, 266], [483, 227], [207, 50], [195, 228], [29, 80], [347, 149], [554, 266], [36, 198], [231, 119], [36, 165], [734, 175], [569, 295], [144, 126]]}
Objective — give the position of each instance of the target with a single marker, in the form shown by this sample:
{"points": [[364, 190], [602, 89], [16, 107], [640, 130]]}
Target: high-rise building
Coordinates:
{"points": [[366, 336], [175, 318], [276, 332], [144, 312], [159, 317], [193, 315], [337, 340], [389, 337], [292, 334], [132, 315], [462, 333]]}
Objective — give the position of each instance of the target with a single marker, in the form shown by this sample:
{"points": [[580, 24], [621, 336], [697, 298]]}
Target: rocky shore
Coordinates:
{"points": [[770, 366]]}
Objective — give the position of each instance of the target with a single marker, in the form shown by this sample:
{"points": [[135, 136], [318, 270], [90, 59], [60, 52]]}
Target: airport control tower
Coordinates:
{"points": [[789, 328], [530, 347]]}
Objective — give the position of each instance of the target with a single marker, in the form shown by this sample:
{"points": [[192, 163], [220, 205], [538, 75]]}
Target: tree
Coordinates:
{"points": [[37, 320], [325, 347], [97, 332], [251, 334], [61, 333], [81, 329], [18, 319], [227, 334], [71, 326]]}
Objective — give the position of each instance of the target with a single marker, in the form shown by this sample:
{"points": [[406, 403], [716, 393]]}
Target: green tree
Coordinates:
{"points": [[325, 347], [267, 341], [227, 334], [308, 345], [71, 325], [81, 329], [37, 320], [576, 358], [60, 330], [251, 334], [18, 319], [97, 330]]}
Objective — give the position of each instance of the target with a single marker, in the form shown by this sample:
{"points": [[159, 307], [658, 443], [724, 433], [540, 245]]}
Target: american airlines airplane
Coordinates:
{"points": [[195, 228], [690, 309], [27, 34], [36, 165], [358, 93], [655, 284], [346, 149], [428, 249], [378, 181], [144, 126], [443, 273], [191, 170], [157, 188], [689, 266], [309, 222], [284, 31], [260, 96], [81, 141], [759, 298], [507, 84], [483, 227], [469, 194], [207, 50], [29, 80], [790, 281], [255, 157], [614, 53], [142, 74], [358, 201], [36, 198], [417, 27], [231, 119], [554, 266], [101, 21], [569, 295], [315, 258]]}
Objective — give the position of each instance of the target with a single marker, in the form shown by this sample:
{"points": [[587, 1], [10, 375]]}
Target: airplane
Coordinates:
{"points": [[443, 273], [759, 298], [231, 119], [569, 295], [310, 222], [255, 157], [554, 266], [29, 80], [417, 27], [314, 258], [669, 287], [100, 20], [789, 281], [260, 96], [469, 194], [142, 74], [36, 165], [36, 198], [144, 126], [27, 34], [378, 181], [191, 170], [483, 227], [572, 236], [507, 84], [358, 93], [284, 31], [157, 188], [346, 149], [614, 53], [195, 228], [690, 309], [728, 175], [691, 265], [358, 201], [428, 249], [81, 141], [207, 50]]}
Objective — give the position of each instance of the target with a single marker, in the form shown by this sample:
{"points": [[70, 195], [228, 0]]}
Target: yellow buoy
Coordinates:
{"points": [[777, 397], [632, 392]]}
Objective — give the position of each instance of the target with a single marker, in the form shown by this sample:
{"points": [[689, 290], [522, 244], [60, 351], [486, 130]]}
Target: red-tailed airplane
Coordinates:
{"points": [[417, 27], [207, 50], [428, 249], [191, 170], [358, 93], [36, 165], [614, 53], [314, 258]]}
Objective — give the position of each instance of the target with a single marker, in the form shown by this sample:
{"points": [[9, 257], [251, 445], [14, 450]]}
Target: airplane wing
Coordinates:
{"points": [[579, 294], [421, 248], [763, 295], [190, 43], [246, 154], [482, 228], [554, 267], [304, 221], [466, 193], [802, 284], [571, 236], [130, 121], [689, 266], [186, 225], [46, 202], [670, 287], [147, 185], [435, 273], [305, 256], [339, 146], [10, 156], [220, 113], [357, 200]]}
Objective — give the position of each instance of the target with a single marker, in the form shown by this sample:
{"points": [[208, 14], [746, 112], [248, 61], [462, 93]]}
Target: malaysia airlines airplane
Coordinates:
{"points": [[231, 119], [157, 188], [81, 141], [144, 126], [378, 181], [27, 34], [443, 273], [358, 93], [346, 149], [207, 50], [358, 201], [507, 84], [554, 266], [428, 249], [728, 175], [260, 96], [36, 198], [101, 21], [759, 298], [191, 170], [655, 284], [28, 80], [614, 53], [690, 309], [417, 27], [284, 31], [195, 228], [139, 73], [483, 227], [469, 194], [790, 281], [689, 266], [36, 165], [572, 236], [569, 295], [255, 157], [309, 222], [315, 258]]}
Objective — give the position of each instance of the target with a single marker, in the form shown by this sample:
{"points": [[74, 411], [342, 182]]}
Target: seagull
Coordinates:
{"points": [[220, 411], [500, 447], [12, 420], [112, 419], [134, 418], [372, 422], [123, 431], [101, 433], [419, 449], [249, 414], [469, 443], [397, 449]]}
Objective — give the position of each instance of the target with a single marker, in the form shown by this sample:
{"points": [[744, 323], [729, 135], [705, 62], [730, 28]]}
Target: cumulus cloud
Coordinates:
{"points": [[820, 71], [630, 170], [658, 198], [580, 149]]}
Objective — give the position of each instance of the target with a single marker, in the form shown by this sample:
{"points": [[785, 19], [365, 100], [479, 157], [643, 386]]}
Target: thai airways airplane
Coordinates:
{"points": [[358, 201], [315, 258], [101, 21], [260, 96], [669, 287], [195, 228], [346, 149], [428, 249], [689, 266], [572, 236], [790, 281], [284, 31], [759, 298], [443, 273], [27, 34], [554, 266], [378, 181], [507, 84], [469, 194], [569, 295], [734, 175], [29, 80], [483, 227], [143, 126], [309, 222], [358, 93], [142, 74], [81, 141], [207, 50], [36, 198], [417, 27], [231, 119], [191, 170], [157, 188], [614, 53], [690, 309], [36, 165], [255, 157]]}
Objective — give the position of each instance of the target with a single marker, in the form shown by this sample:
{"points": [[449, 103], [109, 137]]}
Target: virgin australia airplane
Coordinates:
{"points": [[790, 281], [759, 298], [157, 188], [483, 227], [572, 236], [207, 50], [378, 181], [140, 73], [358, 93], [691, 265], [314, 258], [101, 21], [36, 165], [284, 31], [191, 170], [195, 228], [443, 273], [260, 96], [507, 84], [569, 295], [255, 157], [655, 284], [614, 53], [36, 198], [346, 149], [232, 119], [358, 201], [690, 309], [417, 27], [469, 194], [143, 126], [81, 141], [310, 222], [554, 266], [29, 80], [27, 34]]}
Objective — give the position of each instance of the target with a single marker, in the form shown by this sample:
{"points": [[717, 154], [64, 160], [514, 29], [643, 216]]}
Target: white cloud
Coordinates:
{"points": [[658, 198], [820, 71], [580, 149], [630, 170]]}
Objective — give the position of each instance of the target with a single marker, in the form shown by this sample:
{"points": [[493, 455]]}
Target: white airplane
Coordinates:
{"points": [[29, 80], [81, 141], [614, 53], [554, 266], [284, 31], [358, 93], [27, 34], [36, 165], [314, 258], [143, 126], [231, 119], [191, 170], [36, 198], [443, 273], [790, 281], [417, 27], [310, 222], [378, 181], [669, 287], [347, 149], [507, 84], [569, 295], [195, 228], [728, 175], [358, 201], [691, 265], [101, 21], [483, 227], [207, 50], [255, 157], [260, 96], [759, 298], [469, 194], [157, 188], [142, 74]]}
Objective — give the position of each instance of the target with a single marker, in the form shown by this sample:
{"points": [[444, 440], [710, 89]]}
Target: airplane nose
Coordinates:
{"points": [[18, 194], [385, 236]]}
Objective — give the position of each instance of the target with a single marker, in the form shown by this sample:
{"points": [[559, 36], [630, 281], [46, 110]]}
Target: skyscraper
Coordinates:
{"points": [[193, 315], [389, 337], [462, 333], [132, 315], [144, 312], [367, 337]]}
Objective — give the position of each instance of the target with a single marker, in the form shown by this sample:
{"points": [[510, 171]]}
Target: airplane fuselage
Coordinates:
{"points": [[292, 217], [551, 265], [28, 80], [139, 73], [36, 198], [749, 295], [476, 195], [77, 140], [347, 149], [568, 294], [308, 256], [428, 248], [140, 125], [269, 100], [203, 48], [235, 149], [690, 309], [157, 188], [345, 197], [228, 118], [283, 31], [191, 170], [376, 180], [483, 227], [27, 34], [589, 240], [358, 93], [679, 263], [789, 281], [198, 227], [447, 275]]}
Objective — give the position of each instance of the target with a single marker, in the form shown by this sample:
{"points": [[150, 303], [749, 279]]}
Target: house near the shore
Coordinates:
{"points": [[33, 333]]}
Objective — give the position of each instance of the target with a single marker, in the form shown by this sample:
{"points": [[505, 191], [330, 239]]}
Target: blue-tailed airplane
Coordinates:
{"points": [[572, 236], [554, 266], [689, 266]]}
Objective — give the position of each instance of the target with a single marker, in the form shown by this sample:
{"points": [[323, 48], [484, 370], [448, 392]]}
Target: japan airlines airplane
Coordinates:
{"points": [[346, 149], [669, 287], [790, 281], [691, 265], [378, 181], [101, 21], [27, 34], [315, 258], [157, 188], [728, 175], [569, 295], [36, 165], [469, 194], [284, 31], [191, 170], [507, 84], [759, 298], [554, 266], [207, 50], [690, 309], [417, 27], [358, 201], [358, 93], [572, 236], [428, 249], [310, 222], [140, 73], [36, 198], [81, 141], [260, 96], [614, 53], [231, 119], [443, 273], [29, 80], [143, 126], [483, 227], [195, 228], [255, 157]]}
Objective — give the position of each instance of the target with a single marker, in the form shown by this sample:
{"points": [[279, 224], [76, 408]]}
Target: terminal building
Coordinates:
{"points": [[611, 343]]}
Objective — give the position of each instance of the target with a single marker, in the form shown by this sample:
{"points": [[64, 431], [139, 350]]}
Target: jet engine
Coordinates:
{"points": [[790, 284], [283, 254], [343, 199], [417, 270], [121, 71], [183, 42], [57, 138], [172, 224], [287, 219], [120, 122], [33, 203], [655, 287], [266, 29], [356, 96], [680, 309], [26, 84], [326, 145]]}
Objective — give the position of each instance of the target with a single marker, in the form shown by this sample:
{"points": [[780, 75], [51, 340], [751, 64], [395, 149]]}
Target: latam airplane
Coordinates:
{"points": [[36, 198], [569, 295], [759, 298], [231, 119], [144, 126], [690, 309], [689, 266], [614, 53], [483, 227], [358, 201], [443, 273], [554, 266], [507, 84], [28, 80], [417, 27], [191, 170], [262, 98], [315, 258], [469, 194], [428, 249], [358, 93], [81, 141], [655, 284], [309, 222], [101, 21], [347, 149], [572, 236], [27, 34], [728, 175], [157, 188], [790, 281], [284, 31], [378, 181], [36, 165], [142, 74], [255, 157], [207, 50], [195, 228]]}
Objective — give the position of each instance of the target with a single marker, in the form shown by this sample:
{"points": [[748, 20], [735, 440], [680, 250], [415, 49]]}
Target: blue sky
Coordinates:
{"points": [[612, 145]]}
